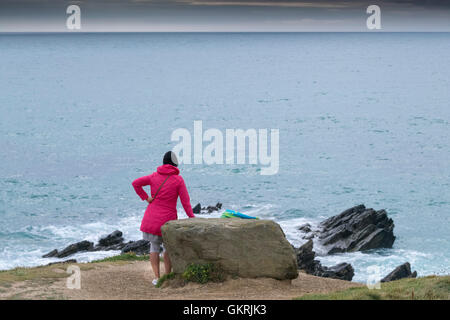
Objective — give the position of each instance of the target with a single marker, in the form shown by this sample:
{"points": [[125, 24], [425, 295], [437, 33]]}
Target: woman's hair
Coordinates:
{"points": [[170, 158]]}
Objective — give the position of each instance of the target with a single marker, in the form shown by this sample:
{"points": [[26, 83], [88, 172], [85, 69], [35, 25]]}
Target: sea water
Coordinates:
{"points": [[362, 118]]}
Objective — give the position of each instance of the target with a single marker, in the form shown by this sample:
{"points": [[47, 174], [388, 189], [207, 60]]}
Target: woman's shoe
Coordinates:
{"points": [[154, 282]]}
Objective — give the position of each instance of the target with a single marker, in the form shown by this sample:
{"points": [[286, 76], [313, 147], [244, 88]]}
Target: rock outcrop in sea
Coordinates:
{"points": [[71, 249], [305, 260], [402, 271], [198, 209], [139, 247], [112, 241], [356, 229], [240, 247]]}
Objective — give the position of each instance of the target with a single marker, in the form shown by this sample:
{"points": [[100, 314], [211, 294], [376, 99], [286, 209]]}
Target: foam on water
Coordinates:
{"points": [[61, 236]]}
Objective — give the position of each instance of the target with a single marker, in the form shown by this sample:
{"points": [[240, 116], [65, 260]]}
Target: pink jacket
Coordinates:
{"points": [[164, 207]]}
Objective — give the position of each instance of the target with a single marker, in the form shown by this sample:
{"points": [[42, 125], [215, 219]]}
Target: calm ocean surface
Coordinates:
{"points": [[363, 118]]}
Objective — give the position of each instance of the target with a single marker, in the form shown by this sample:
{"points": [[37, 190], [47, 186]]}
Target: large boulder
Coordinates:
{"points": [[240, 247], [402, 271], [355, 229]]}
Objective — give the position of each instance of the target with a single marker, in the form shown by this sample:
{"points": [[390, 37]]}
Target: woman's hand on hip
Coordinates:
{"points": [[149, 199]]}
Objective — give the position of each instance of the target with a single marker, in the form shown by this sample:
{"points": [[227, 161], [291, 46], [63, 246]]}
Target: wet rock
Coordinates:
{"points": [[356, 229], [342, 271], [305, 257], [113, 238], [402, 271], [198, 209], [139, 247], [305, 261], [112, 241], [306, 228], [74, 248], [118, 246], [52, 253]]}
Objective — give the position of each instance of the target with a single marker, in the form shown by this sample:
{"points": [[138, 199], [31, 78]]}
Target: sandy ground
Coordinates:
{"points": [[132, 280]]}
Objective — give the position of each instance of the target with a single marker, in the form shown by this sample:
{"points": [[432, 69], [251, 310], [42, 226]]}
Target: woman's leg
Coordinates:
{"points": [[154, 260], [155, 247], [167, 263]]}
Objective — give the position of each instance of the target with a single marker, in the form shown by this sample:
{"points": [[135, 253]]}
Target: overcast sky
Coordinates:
{"points": [[223, 15]]}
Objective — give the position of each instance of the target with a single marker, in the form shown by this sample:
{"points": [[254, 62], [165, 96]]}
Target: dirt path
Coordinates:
{"points": [[132, 280]]}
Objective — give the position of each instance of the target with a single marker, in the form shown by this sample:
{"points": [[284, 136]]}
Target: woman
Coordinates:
{"points": [[166, 185]]}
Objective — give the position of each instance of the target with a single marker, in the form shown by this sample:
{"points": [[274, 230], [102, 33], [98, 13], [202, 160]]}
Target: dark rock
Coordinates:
{"points": [[342, 271], [306, 262], [113, 238], [118, 246], [306, 228], [402, 271], [112, 241], [305, 257], [139, 247], [74, 248], [197, 208], [357, 229], [52, 253], [65, 261]]}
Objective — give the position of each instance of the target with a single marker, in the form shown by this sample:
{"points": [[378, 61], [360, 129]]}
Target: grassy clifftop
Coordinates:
{"points": [[426, 288]]}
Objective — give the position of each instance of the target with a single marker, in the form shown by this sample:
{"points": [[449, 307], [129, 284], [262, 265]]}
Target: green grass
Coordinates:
{"points": [[426, 288], [164, 278], [203, 273], [199, 273]]}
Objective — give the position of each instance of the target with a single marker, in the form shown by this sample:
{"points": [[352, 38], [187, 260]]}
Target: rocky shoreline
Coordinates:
{"points": [[355, 229], [112, 241]]}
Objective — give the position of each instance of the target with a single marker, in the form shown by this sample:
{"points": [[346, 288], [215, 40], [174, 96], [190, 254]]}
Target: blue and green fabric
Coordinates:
{"points": [[234, 214]]}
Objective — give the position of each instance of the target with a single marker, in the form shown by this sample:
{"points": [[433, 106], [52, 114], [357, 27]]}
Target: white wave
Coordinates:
{"points": [[290, 228]]}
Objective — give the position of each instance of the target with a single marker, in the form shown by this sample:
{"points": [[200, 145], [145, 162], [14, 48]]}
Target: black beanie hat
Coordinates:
{"points": [[170, 158]]}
